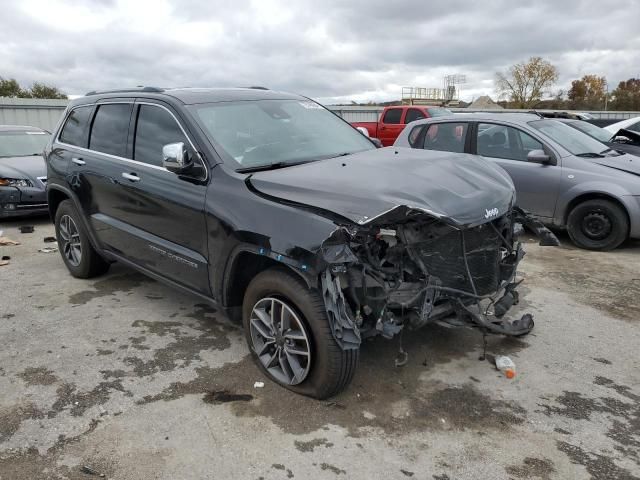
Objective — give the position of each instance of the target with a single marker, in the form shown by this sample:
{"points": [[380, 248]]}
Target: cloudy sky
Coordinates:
{"points": [[327, 49]]}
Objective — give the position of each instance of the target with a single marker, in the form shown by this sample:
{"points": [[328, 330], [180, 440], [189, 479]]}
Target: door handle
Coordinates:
{"points": [[78, 161], [131, 177]]}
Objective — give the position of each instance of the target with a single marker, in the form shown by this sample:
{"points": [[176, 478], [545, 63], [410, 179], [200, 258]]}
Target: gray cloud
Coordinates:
{"points": [[329, 50]]}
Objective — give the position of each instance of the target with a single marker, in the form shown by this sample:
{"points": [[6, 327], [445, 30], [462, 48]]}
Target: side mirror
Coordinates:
{"points": [[363, 130], [538, 156], [376, 142], [175, 157], [621, 139]]}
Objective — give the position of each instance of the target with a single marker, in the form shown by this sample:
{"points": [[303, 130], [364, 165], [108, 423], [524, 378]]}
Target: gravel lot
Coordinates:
{"points": [[134, 380]]}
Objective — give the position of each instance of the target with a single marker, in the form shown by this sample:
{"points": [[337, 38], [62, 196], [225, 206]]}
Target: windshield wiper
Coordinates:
{"points": [[268, 166], [589, 155]]}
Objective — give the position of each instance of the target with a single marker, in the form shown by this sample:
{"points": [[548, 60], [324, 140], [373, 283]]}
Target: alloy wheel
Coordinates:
{"points": [[71, 246], [279, 339]]}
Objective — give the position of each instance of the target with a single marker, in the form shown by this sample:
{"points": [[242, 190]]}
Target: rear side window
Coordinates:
{"points": [[73, 131], [447, 137], [412, 115], [155, 128], [110, 128], [392, 115]]}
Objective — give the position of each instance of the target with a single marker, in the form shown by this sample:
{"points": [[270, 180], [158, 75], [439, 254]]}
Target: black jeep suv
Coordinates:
{"points": [[283, 214]]}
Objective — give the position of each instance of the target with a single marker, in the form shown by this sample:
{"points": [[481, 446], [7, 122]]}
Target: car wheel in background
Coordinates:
{"points": [[289, 335], [598, 224], [76, 250]]}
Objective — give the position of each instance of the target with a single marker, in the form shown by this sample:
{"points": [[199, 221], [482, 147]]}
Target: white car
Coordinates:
{"points": [[628, 124]]}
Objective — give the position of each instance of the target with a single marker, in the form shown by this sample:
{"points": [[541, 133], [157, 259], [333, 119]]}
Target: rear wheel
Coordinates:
{"points": [[76, 250], [598, 224], [288, 333]]}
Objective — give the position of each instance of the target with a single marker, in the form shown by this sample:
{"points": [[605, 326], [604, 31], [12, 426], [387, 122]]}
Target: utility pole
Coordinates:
{"points": [[606, 95]]}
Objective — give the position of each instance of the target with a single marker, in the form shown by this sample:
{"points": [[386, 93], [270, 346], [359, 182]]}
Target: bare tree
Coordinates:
{"points": [[525, 83]]}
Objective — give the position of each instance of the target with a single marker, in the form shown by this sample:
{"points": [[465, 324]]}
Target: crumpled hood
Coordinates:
{"points": [[23, 167], [462, 189], [626, 163]]}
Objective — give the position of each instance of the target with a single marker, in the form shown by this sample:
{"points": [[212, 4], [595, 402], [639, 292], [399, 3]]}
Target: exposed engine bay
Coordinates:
{"points": [[409, 268]]}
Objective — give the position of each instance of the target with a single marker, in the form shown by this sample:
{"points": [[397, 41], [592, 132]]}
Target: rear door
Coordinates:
{"points": [[390, 126], [536, 185]]}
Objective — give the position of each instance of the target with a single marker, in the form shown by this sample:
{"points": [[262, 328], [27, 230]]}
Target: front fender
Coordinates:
{"points": [[609, 189]]}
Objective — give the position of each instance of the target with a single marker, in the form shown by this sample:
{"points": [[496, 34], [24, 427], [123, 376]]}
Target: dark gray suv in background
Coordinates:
{"points": [[563, 176], [287, 217]]}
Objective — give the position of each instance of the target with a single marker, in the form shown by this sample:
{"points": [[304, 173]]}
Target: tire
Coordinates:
{"points": [[330, 368], [88, 263], [598, 224]]}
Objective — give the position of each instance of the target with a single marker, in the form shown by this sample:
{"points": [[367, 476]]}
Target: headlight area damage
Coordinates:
{"points": [[408, 268]]}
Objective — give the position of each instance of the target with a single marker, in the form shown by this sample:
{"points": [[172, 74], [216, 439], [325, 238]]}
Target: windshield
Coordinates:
{"points": [[439, 112], [23, 143], [265, 132], [598, 133], [573, 140]]}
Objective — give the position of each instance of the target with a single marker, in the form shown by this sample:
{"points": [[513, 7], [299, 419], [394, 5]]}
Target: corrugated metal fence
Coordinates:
{"points": [[31, 111], [46, 113]]}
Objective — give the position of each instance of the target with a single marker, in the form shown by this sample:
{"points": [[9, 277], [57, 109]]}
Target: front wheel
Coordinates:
{"points": [[598, 224], [288, 333]]}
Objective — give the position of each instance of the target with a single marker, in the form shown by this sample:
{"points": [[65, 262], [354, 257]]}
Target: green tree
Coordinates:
{"points": [[627, 95], [40, 90], [9, 87], [589, 92], [525, 83]]}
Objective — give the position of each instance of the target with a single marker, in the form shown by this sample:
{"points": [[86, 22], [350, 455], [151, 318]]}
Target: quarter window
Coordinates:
{"points": [[500, 141], [392, 116], [447, 137], [412, 115], [155, 128], [73, 131], [110, 128]]}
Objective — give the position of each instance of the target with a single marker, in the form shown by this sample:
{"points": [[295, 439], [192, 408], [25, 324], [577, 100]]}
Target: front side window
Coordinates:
{"points": [[23, 143], [264, 132], [74, 128], [155, 128], [392, 116], [110, 128], [447, 137], [412, 115], [500, 141], [635, 127]]}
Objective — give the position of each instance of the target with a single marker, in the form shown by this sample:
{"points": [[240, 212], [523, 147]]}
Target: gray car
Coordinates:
{"points": [[23, 173], [563, 176]]}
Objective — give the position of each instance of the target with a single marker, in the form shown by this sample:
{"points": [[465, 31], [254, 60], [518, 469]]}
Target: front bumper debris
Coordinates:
{"points": [[418, 270]]}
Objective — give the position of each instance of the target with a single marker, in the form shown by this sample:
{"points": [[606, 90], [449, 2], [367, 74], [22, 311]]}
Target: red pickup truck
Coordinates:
{"points": [[393, 120]]}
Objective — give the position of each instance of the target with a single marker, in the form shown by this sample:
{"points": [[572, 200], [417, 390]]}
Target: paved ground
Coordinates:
{"points": [[136, 381]]}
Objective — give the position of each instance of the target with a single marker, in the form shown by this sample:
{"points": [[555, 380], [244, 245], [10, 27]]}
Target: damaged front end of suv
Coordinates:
{"points": [[409, 268], [421, 238]]}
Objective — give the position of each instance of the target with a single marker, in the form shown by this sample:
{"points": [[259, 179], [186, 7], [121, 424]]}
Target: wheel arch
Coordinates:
{"points": [[243, 265], [583, 197]]}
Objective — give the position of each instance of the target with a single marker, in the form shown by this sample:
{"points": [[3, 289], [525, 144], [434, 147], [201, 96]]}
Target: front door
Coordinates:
{"points": [[536, 185], [390, 126]]}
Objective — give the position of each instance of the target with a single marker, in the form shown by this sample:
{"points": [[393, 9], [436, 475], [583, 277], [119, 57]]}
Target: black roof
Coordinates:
{"points": [[194, 95]]}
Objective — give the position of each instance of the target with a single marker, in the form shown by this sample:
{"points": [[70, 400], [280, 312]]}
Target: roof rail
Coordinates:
{"points": [[126, 90], [259, 88]]}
